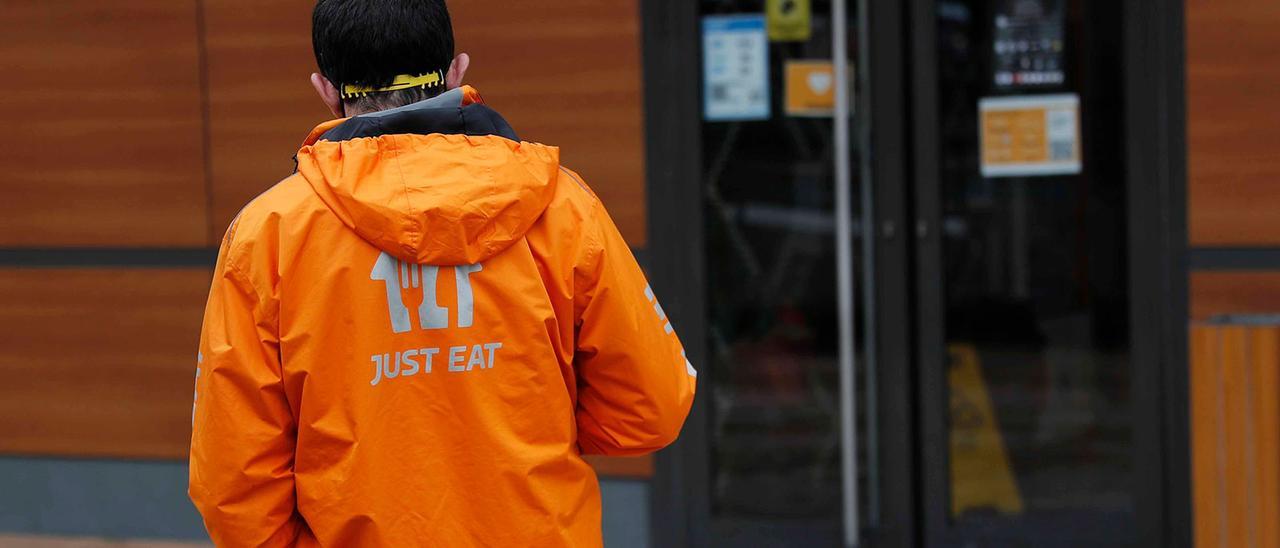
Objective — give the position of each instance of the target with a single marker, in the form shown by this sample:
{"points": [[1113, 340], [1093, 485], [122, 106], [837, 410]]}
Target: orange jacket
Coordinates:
{"points": [[414, 339]]}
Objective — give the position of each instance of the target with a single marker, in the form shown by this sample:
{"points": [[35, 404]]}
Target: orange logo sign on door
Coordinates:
{"points": [[811, 88]]}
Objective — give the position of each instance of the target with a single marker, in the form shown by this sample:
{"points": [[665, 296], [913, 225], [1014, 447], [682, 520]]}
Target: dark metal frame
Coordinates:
{"points": [[1155, 105], [928, 340], [886, 105], [109, 257], [680, 501], [1234, 258]]}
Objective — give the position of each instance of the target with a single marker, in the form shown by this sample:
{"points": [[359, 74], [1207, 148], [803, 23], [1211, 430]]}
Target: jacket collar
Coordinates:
{"points": [[460, 111]]}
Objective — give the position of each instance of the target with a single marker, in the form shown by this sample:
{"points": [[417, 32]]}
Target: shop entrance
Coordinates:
{"points": [[926, 319]]}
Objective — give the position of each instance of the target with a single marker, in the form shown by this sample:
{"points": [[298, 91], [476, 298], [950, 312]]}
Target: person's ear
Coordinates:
{"points": [[457, 71], [329, 94]]}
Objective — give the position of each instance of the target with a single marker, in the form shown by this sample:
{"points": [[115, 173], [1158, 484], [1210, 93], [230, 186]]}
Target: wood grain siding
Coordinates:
{"points": [[623, 467], [98, 362], [1225, 293], [102, 143], [1233, 121], [107, 148], [261, 104], [567, 73], [101, 363], [1235, 376]]}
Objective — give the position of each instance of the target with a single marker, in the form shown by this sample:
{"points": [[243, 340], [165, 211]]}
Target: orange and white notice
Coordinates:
{"points": [[1030, 135]]}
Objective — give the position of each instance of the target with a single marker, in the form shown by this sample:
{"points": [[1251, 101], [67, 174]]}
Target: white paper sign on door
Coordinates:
{"points": [[735, 67]]}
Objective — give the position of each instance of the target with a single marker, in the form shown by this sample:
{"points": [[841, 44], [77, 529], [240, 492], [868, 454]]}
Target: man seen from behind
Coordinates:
{"points": [[415, 338]]}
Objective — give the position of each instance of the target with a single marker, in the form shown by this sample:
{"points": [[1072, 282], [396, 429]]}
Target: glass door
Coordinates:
{"points": [[779, 346], [1025, 370]]}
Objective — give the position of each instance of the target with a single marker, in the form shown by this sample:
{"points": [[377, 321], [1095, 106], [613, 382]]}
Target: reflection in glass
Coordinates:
{"points": [[1041, 426]]}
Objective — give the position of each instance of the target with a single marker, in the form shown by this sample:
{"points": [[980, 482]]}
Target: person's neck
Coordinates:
{"points": [[354, 109]]}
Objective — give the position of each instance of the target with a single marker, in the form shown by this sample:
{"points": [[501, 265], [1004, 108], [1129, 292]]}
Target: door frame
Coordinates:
{"points": [[1154, 37], [887, 102], [1153, 63], [680, 497]]}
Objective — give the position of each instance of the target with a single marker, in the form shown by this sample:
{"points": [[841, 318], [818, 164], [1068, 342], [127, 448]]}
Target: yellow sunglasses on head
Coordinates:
{"points": [[403, 81]]}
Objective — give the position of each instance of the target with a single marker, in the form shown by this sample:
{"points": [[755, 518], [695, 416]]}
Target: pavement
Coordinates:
{"points": [[24, 541]]}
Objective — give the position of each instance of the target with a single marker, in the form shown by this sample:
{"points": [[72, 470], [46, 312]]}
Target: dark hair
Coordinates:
{"points": [[369, 42]]}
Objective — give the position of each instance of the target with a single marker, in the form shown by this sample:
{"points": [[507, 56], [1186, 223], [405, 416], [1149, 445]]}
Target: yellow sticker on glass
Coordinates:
{"points": [[788, 20]]}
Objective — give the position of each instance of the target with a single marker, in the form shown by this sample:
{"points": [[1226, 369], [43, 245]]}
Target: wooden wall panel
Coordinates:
{"points": [[99, 362], [1233, 121], [107, 148], [1235, 433], [102, 143], [563, 72], [1218, 293], [567, 73], [261, 105], [623, 467]]}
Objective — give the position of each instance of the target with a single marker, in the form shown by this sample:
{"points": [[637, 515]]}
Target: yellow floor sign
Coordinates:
{"points": [[981, 474]]}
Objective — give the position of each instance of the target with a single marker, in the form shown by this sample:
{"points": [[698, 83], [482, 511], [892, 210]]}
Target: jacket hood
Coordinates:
{"points": [[444, 181]]}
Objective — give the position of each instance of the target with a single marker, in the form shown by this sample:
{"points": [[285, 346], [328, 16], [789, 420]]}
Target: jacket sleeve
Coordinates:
{"points": [[635, 386], [243, 433]]}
